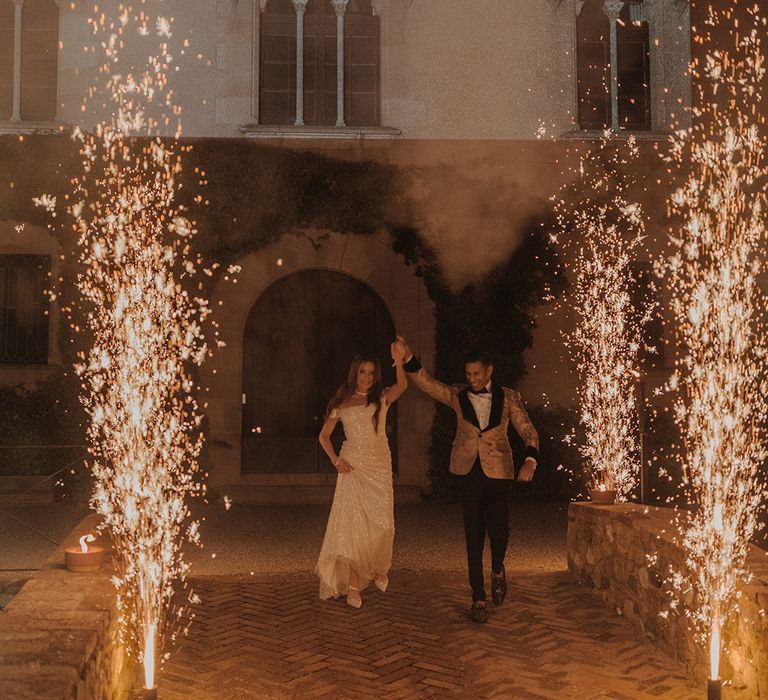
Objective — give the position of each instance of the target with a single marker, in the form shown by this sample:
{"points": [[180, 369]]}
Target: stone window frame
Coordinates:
{"points": [[16, 123], [299, 130], [614, 44], [658, 14]]}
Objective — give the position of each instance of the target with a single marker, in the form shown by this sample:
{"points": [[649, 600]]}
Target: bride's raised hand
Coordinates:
{"points": [[398, 351]]}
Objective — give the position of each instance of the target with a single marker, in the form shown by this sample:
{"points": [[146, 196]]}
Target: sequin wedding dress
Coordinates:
{"points": [[361, 526]]}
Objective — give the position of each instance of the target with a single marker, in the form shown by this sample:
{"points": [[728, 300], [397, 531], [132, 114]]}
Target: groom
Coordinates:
{"points": [[481, 459]]}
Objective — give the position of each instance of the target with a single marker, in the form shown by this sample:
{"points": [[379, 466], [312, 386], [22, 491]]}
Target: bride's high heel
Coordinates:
{"points": [[381, 581], [353, 598]]}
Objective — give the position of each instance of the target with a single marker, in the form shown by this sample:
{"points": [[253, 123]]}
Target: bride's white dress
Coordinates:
{"points": [[361, 526]]}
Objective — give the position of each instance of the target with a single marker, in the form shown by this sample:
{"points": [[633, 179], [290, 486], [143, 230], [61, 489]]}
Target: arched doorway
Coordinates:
{"points": [[299, 338]]}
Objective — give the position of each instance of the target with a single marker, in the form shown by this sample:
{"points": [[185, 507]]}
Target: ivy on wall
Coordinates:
{"points": [[41, 429], [255, 193]]}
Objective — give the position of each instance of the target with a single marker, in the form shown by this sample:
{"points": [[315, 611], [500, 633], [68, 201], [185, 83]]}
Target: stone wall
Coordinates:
{"points": [[58, 635], [609, 548], [368, 259], [432, 87]]}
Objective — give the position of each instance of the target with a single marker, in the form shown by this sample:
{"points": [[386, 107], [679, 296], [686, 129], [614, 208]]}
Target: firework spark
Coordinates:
{"points": [[147, 334], [608, 233], [721, 376]]}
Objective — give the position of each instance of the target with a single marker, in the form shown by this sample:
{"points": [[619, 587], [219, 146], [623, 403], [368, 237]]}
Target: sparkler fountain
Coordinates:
{"points": [[607, 231], [721, 378], [147, 332]]}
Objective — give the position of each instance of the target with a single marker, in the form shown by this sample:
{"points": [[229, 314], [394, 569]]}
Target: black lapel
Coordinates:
{"points": [[497, 406], [467, 409]]}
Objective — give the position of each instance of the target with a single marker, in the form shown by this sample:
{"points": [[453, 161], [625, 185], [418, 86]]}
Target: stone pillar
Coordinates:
{"points": [[613, 10], [300, 6], [17, 27], [341, 8]]}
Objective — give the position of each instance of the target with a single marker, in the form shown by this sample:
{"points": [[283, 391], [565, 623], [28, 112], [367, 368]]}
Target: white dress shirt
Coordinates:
{"points": [[482, 405]]}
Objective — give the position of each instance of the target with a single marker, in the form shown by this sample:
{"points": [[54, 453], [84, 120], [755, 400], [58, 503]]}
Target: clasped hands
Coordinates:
{"points": [[399, 351]]}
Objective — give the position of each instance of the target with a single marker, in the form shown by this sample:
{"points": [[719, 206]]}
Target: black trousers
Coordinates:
{"points": [[485, 505]]}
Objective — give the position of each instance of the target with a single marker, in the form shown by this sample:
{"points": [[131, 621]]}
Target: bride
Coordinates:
{"points": [[358, 539]]}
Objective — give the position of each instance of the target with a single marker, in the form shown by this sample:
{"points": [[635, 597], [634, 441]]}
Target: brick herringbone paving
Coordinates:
{"points": [[270, 637]]}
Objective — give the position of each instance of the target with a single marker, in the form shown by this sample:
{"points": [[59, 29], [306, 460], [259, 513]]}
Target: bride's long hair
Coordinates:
{"points": [[348, 388]]}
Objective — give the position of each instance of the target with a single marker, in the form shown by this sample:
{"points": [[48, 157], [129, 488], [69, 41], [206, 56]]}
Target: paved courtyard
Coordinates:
{"points": [[268, 636], [262, 632], [29, 533]]}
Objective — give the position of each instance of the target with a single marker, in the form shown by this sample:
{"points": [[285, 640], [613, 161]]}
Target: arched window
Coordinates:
{"points": [[28, 59], [279, 68]]}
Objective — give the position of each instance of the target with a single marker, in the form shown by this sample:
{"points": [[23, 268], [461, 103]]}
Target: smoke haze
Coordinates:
{"points": [[473, 225]]}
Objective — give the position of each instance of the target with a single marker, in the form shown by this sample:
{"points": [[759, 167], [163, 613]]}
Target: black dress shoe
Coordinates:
{"points": [[498, 588], [477, 612]]}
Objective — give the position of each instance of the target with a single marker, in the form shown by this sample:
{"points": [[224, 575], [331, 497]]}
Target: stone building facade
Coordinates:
{"points": [[500, 92]]}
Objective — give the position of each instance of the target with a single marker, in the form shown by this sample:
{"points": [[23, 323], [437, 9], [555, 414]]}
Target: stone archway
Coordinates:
{"points": [[299, 338], [369, 260]]}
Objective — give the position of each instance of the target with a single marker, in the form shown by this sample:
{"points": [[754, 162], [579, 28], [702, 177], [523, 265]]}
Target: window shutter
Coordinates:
{"points": [[361, 70], [593, 75], [634, 75], [23, 309], [277, 64], [6, 58], [39, 60]]}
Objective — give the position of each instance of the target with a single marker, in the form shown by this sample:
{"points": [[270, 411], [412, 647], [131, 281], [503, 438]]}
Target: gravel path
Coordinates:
{"points": [[429, 537], [275, 539], [30, 533]]}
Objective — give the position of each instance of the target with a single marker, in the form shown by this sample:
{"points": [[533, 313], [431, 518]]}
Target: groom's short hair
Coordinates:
{"points": [[478, 355]]}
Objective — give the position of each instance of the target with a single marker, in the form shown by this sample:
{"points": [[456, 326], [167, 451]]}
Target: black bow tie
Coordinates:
{"points": [[484, 390]]}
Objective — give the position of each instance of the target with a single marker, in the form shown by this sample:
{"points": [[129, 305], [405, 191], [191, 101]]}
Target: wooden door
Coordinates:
{"points": [[300, 337]]}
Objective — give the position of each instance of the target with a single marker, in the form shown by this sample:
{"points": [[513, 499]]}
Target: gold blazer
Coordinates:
{"points": [[491, 444]]}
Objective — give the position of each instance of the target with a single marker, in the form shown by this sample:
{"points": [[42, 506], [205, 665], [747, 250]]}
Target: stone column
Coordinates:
{"points": [[613, 10], [341, 9], [17, 27], [300, 6]]}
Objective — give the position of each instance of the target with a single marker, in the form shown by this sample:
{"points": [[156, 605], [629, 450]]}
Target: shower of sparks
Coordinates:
{"points": [[603, 234], [147, 334], [716, 258]]}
